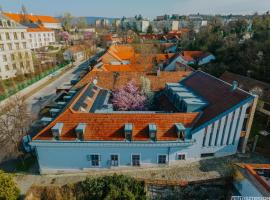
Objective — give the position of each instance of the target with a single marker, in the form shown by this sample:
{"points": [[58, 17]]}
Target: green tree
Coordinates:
{"points": [[8, 188], [114, 187], [150, 29], [81, 23], [66, 21]]}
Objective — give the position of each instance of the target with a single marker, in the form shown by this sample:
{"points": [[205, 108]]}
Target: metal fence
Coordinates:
{"points": [[21, 86]]}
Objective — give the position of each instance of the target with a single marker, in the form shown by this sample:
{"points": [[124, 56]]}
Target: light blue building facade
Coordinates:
{"points": [[207, 137]]}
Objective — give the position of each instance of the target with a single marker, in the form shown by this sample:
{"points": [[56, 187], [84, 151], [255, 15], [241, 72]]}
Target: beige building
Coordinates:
{"points": [[15, 53]]}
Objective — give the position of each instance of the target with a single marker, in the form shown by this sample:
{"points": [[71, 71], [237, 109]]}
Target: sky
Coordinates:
{"points": [[129, 8]]}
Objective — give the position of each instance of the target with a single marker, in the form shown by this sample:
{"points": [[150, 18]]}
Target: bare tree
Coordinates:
{"points": [[15, 121]]}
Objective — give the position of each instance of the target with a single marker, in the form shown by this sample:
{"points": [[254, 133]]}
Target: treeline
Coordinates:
{"points": [[241, 46]]}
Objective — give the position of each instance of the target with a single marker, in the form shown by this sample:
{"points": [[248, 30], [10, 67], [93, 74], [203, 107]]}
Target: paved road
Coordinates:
{"points": [[49, 91]]}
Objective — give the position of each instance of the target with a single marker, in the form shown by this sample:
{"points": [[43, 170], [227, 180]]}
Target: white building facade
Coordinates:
{"points": [[15, 53], [40, 37]]}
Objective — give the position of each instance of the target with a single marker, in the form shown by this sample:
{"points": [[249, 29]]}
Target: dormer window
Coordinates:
{"points": [[128, 131], [180, 129], [57, 130], [152, 131], [80, 130]]}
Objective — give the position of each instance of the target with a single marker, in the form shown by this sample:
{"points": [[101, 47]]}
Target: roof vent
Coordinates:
{"points": [[180, 129], [57, 130], [95, 81], [128, 131], [234, 85], [152, 131], [80, 130]]}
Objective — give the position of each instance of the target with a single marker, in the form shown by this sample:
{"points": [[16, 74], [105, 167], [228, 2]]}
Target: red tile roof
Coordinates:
{"points": [[33, 18], [40, 29], [110, 126], [114, 80], [191, 55], [137, 62], [219, 95]]}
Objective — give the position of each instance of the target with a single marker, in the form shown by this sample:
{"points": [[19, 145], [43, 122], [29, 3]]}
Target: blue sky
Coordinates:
{"points": [[148, 8]]}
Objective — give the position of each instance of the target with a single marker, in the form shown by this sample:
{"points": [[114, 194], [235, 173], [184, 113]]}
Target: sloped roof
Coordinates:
{"points": [[39, 29], [218, 93], [191, 55], [248, 84], [33, 18], [114, 80], [110, 126]]}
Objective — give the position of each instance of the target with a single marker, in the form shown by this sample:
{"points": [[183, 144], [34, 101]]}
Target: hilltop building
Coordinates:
{"points": [[198, 116], [40, 29]]}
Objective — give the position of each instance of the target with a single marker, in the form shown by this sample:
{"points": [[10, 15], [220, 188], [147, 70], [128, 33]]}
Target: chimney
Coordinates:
{"points": [[158, 72], [128, 131], [57, 130], [95, 81], [152, 131], [234, 85], [80, 130]]}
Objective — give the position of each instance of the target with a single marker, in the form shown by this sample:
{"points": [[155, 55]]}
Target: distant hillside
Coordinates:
{"points": [[92, 20]]}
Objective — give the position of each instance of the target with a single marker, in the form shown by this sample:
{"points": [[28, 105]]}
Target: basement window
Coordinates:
{"points": [[206, 155]]}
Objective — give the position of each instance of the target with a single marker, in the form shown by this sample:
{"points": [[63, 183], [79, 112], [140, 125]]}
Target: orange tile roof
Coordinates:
{"points": [[137, 62], [40, 29], [33, 18], [251, 169], [107, 80], [190, 55], [110, 126]]}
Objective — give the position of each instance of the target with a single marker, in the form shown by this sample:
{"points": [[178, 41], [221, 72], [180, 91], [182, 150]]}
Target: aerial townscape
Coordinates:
{"points": [[135, 105]]}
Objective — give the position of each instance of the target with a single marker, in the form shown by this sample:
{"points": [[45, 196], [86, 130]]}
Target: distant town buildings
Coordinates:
{"points": [[15, 53]]}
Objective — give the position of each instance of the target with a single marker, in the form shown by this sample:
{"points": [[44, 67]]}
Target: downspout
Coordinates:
{"points": [[249, 124]]}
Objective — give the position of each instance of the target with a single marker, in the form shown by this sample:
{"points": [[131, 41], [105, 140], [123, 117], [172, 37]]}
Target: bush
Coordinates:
{"points": [[114, 187], [8, 188]]}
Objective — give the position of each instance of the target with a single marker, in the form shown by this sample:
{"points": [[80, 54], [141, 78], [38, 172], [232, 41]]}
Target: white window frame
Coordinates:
{"points": [[99, 161], [118, 159], [181, 154], [165, 160], [139, 160]]}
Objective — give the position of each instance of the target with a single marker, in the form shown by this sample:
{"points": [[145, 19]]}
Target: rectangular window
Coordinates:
{"points": [[211, 135], [114, 160], [230, 129], [136, 160], [224, 130], [95, 160], [181, 157], [218, 130], [237, 124], [162, 159], [7, 36], [205, 155], [266, 106], [204, 137]]}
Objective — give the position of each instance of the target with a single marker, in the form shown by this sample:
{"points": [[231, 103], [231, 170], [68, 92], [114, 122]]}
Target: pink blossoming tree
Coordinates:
{"points": [[87, 35], [129, 98], [65, 36]]}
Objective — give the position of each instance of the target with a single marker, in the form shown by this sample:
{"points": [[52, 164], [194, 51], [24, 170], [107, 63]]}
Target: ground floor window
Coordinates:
{"points": [[114, 160], [95, 160], [136, 160], [162, 159], [205, 155], [181, 157]]}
